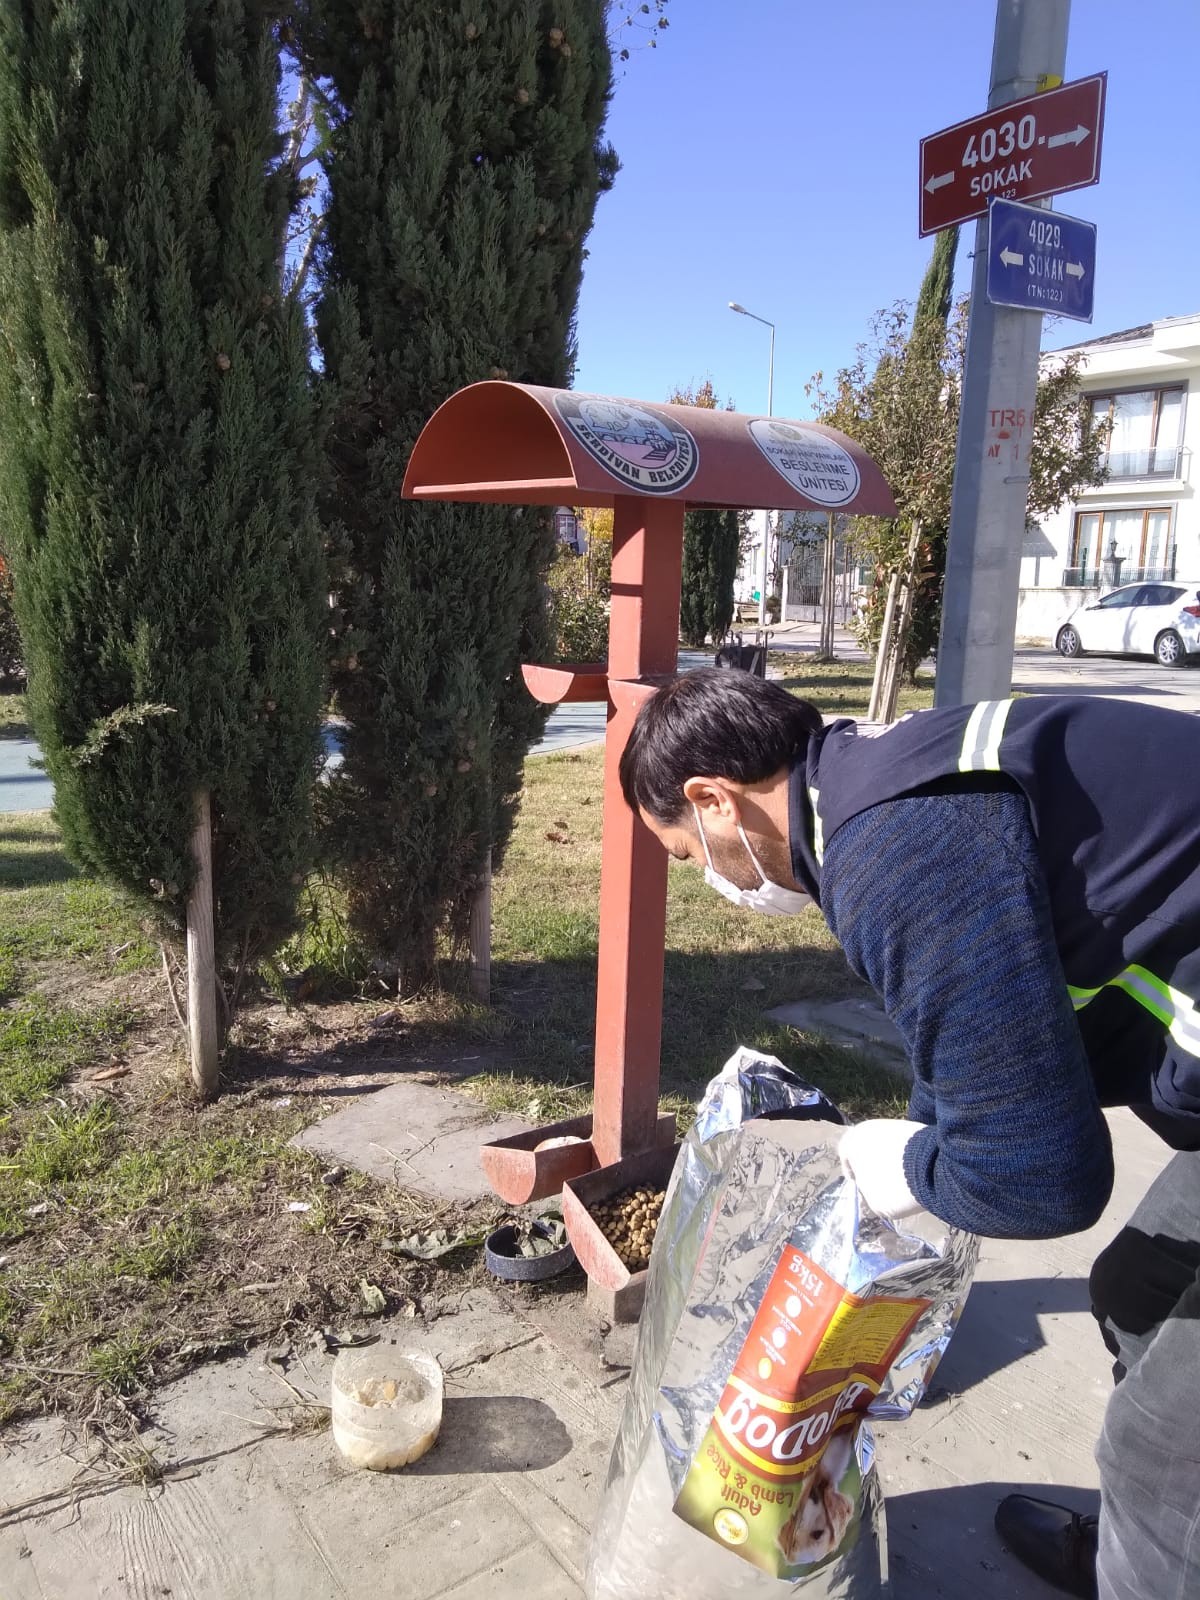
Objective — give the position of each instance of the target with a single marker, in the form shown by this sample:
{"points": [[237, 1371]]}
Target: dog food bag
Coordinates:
{"points": [[780, 1315]]}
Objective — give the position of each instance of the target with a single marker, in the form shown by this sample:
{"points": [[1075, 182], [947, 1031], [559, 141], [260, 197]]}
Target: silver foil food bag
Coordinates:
{"points": [[780, 1315]]}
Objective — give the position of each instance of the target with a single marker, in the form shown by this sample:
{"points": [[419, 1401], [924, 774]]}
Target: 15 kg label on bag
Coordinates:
{"points": [[777, 1478]]}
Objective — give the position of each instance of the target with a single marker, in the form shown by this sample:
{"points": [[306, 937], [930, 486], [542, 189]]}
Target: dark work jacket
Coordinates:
{"points": [[1113, 792]]}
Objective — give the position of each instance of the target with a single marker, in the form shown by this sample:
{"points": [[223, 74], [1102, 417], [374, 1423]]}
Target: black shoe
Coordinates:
{"points": [[1059, 1545]]}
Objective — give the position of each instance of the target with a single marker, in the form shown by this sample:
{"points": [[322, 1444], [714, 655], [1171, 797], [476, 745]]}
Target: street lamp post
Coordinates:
{"points": [[766, 546]]}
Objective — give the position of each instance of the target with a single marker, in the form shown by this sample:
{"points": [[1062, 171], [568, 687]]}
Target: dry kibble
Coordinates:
{"points": [[628, 1221]]}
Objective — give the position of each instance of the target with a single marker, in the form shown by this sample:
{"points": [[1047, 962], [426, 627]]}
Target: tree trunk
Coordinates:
{"points": [[481, 938], [897, 620], [201, 960], [897, 634], [883, 650], [903, 628]]}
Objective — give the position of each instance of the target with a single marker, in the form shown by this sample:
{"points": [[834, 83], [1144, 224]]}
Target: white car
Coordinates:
{"points": [[1139, 619]]}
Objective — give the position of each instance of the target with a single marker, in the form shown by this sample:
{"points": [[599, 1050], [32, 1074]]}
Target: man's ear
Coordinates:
{"points": [[712, 797]]}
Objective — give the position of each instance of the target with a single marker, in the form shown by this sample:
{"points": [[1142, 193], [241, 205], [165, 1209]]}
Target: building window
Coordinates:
{"points": [[1147, 431], [1142, 536]]}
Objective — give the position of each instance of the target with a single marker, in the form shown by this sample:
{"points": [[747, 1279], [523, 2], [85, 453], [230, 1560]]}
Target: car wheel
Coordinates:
{"points": [[1067, 643], [1168, 649]]}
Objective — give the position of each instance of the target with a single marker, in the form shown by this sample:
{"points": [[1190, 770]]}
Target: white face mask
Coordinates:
{"points": [[772, 899]]}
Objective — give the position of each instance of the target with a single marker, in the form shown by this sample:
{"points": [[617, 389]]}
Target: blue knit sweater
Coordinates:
{"points": [[940, 903]]}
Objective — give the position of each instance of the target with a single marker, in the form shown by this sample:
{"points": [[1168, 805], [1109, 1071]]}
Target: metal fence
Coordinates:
{"points": [[1097, 578]]}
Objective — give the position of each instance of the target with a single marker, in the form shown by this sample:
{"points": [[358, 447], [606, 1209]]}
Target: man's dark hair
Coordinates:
{"points": [[711, 724]]}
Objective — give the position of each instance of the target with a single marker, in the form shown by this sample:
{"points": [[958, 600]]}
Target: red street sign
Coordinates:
{"points": [[1022, 151]]}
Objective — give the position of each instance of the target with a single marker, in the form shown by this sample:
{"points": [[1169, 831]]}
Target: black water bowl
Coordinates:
{"points": [[502, 1253]]}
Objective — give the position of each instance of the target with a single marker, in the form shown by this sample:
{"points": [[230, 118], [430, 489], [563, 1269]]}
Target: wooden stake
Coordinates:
{"points": [[827, 590], [201, 960], [902, 629], [481, 938], [884, 648]]}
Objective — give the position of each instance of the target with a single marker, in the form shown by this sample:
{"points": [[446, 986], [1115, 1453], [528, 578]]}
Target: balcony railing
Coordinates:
{"points": [[1097, 577], [1166, 461]]}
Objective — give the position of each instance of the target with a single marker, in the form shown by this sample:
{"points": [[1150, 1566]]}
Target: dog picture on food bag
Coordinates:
{"points": [[822, 1519]]}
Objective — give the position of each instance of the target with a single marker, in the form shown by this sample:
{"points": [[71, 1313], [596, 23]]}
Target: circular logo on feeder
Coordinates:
{"points": [[811, 462], [731, 1526], [641, 449]]}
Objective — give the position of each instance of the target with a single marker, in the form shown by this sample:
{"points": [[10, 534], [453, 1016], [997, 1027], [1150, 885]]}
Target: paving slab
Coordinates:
{"points": [[860, 1024], [1016, 1405], [501, 1509], [422, 1137]]}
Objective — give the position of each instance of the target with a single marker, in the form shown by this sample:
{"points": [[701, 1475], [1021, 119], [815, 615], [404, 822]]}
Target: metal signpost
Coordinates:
{"points": [[1040, 260], [1023, 150], [1027, 146]]}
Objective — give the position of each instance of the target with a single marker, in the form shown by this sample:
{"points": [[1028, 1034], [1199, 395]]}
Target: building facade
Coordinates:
{"points": [[1143, 523]]}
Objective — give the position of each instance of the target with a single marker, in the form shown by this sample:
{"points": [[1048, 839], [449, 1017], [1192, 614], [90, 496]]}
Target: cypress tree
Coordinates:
{"points": [[464, 163], [710, 561], [930, 325], [711, 545], [157, 441], [936, 297]]}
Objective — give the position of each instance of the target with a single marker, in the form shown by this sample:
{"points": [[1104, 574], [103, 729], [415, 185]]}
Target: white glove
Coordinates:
{"points": [[872, 1154]]}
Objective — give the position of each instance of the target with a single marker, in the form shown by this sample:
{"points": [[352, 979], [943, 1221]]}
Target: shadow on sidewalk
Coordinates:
{"points": [[1002, 1323], [494, 1433], [942, 1544]]}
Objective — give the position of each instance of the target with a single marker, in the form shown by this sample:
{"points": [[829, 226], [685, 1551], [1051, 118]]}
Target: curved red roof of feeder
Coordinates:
{"points": [[516, 443]]}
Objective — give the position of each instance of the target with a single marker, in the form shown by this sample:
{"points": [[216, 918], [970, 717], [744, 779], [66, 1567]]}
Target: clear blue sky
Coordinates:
{"points": [[770, 156]]}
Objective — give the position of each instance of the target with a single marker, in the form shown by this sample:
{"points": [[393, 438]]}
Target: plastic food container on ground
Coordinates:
{"points": [[387, 1405]]}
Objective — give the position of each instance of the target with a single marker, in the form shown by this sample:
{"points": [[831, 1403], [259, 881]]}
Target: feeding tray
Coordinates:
{"points": [[519, 1172], [516, 444], [597, 1257], [557, 685]]}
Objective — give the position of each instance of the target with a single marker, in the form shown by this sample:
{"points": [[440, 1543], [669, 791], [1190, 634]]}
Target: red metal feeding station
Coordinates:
{"points": [[512, 443]]}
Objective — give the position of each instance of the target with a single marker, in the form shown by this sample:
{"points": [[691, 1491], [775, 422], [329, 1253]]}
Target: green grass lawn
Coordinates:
{"points": [[131, 1218], [724, 967], [140, 1232], [843, 688]]}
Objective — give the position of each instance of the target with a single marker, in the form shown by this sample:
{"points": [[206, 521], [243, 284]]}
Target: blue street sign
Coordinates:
{"points": [[1040, 260]]}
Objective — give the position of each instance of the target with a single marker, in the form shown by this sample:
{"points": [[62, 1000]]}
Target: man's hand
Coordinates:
{"points": [[872, 1154]]}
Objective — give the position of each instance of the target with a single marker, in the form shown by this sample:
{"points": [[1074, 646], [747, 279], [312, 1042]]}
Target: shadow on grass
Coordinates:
{"points": [[800, 676], [532, 1052], [442, 1050], [15, 833], [712, 1003], [843, 687], [32, 869]]}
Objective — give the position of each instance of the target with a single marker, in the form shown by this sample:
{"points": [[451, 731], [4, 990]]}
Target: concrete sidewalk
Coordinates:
{"points": [[501, 1509]]}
